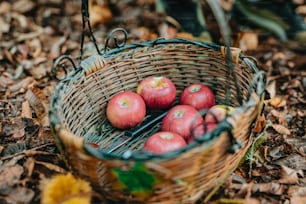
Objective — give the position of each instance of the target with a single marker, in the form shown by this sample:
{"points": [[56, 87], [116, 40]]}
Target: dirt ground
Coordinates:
{"points": [[34, 33]]}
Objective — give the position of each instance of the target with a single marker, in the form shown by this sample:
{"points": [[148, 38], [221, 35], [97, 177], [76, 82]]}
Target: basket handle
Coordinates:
{"points": [[225, 32], [85, 20]]}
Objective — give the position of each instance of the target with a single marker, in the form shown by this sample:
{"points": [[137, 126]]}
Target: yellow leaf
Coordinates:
{"points": [[277, 102]]}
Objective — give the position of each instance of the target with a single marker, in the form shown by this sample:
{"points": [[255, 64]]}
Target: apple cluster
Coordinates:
{"points": [[128, 109]]}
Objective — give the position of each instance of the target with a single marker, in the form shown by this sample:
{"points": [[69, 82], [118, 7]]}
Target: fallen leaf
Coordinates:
{"points": [[271, 187], [20, 195], [22, 85], [271, 88], [56, 47], [29, 166], [260, 124], [5, 7], [26, 111], [12, 126], [5, 81], [248, 40], [298, 200], [294, 161], [9, 176], [276, 152], [277, 102], [24, 51], [23, 6], [166, 31], [20, 133], [39, 103], [280, 116], [99, 14], [281, 129], [288, 175], [184, 35], [297, 191], [297, 143], [141, 33]]}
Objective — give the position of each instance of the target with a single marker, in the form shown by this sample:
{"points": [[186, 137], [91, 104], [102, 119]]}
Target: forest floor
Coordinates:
{"points": [[34, 33]]}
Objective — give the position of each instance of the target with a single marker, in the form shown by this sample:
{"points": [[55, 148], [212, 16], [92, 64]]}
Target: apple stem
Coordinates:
{"points": [[194, 89]]}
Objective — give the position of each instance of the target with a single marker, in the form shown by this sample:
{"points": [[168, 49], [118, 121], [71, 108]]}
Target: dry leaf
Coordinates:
{"points": [[260, 124], [166, 31], [56, 47], [39, 103], [185, 35], [248, 41], [141, 33], [99, 14], [281, 129], [294, 161], [5, 7], [297, 143], [301, 9], [20, 195], [26, 111], [18, 134], [22, 85], [5, 81], [29, 165], [12, 126], [10, 176], [277, 102], [281, 117], [298, 200], [288, 175], [272, 187], [271, 88], [297, 191], [23, 6]]}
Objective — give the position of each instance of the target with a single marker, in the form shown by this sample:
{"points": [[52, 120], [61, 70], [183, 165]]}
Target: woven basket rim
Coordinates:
{"points": [[81, 71]]}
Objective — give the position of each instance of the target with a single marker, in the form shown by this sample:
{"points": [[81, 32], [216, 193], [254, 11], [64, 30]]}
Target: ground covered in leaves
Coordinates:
{"points": [[34, 33]]}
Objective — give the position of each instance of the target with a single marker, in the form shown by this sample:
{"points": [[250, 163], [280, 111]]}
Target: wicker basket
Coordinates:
{"points": [[129, 175]]}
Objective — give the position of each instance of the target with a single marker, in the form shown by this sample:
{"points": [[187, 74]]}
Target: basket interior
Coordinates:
{"points": [[83, 102]]}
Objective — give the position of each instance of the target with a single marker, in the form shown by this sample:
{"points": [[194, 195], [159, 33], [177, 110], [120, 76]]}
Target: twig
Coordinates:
{"points": [[26, 152]]}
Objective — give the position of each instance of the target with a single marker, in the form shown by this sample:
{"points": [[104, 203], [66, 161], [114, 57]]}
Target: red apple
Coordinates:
{"points": [[157, 92], [201, 130], [126, 110], [217, 113], [163, 141], [181, 119], [198, 95]]}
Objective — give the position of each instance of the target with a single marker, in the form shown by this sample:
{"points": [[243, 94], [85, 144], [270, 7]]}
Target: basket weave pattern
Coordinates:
{"points": [[78, 116]]}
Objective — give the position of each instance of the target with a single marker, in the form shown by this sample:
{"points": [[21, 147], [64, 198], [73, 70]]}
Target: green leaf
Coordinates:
{"points": [[138, 180]]}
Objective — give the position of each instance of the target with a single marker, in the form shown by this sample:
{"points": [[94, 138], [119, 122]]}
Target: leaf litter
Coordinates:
{"points": [[34, 33]]}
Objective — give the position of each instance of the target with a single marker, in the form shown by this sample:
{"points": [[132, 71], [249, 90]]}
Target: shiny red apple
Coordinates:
{"points": [[181, 119], [163, 141], [126, 110], [157, 92], [198, 95]]}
